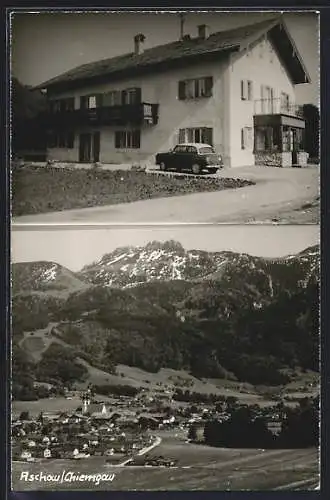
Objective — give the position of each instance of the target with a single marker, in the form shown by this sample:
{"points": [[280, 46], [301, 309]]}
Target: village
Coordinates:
{"points": [[122, 430]]}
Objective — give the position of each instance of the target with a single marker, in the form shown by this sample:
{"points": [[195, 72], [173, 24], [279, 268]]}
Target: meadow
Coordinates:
{"points": [[46, 189]]}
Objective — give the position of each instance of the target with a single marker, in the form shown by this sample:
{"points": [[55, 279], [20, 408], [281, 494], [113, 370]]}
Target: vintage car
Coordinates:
{"points": [[195, 157]]}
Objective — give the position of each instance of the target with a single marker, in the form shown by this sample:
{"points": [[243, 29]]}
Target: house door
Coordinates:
{"points": [[294, 147], [85, 143], [96, 147], [89, 147]]}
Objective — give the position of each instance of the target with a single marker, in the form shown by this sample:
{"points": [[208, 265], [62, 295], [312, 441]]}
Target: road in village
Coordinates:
{"points": [[280, 195]]}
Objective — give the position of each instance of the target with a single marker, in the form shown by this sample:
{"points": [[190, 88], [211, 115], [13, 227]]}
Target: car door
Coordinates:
{"points": [[190, 157], [178, 157]]}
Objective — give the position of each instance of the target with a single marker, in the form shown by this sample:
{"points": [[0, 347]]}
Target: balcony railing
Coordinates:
{"points": [[277, 107], [126, 114]]}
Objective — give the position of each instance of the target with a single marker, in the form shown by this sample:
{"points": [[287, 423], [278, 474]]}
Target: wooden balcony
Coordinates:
{"points": [[121, 115]]}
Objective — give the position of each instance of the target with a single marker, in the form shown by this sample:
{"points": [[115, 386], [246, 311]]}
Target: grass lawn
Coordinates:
{"points": [[46, 189]]}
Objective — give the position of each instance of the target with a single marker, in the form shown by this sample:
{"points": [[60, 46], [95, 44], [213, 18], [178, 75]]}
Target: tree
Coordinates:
{"points": [[27, 130], [192, 433], [312, 129]]}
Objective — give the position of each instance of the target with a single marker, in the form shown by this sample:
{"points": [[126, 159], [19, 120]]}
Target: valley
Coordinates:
{"points": [[157, 347]]}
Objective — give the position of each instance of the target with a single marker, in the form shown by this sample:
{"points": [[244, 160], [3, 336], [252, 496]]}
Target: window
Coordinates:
{"points": [[180, 149], [285, 101], [200, 134], [246, 138], [122, 97], [206, 151], [195, 88], [60, 139], [267, 139], [112, 98], [60, 105], [91, 101], [131, 96], [267, 99], [130, 139], [246, 90]]}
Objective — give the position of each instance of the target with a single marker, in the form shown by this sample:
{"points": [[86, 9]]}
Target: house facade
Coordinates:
{"points": [[233, 89]]}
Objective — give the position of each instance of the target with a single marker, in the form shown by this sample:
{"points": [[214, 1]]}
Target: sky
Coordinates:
{"points": [[44, 45], [74, 248]]}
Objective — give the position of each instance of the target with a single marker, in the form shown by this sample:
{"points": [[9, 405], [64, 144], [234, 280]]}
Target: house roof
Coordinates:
{"points": [[165, 56]]}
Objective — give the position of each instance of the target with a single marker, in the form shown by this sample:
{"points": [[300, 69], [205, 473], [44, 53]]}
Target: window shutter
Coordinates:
{"points": [[262, 91], [123, 96], [182, 136], [99, 100], [249, 90], [208, 86], [182, 90], [83, 102], [197, 90], [70, 103], [209, 136], [138, 95], [117, 139], [70, 140], [242, 139]]}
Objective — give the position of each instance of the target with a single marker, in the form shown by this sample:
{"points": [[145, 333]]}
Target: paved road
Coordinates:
{"points": [[277, 191], [142, 452]]}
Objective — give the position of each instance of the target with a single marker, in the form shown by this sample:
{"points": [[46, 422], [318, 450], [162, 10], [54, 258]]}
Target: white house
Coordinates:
{"points": [[233, 89]]}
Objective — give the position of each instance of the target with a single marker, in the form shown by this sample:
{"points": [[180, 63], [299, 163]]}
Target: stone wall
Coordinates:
{"points": [[273, 159], [302, 158]]}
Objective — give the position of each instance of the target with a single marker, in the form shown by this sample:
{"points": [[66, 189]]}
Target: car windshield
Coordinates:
{"points": [[206, 150]]}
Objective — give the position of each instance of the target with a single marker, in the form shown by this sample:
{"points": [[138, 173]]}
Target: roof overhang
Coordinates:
{"points": [[279, 36], [288, 53]]}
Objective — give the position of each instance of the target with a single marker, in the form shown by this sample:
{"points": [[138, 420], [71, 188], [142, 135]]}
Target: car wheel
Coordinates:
{"points": [[196, 169], [212, 170], [163, 166]]}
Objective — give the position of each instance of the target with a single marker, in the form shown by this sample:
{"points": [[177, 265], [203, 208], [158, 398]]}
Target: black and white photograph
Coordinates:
{"points": [[165, 117], [165, 250], [165, 358]]}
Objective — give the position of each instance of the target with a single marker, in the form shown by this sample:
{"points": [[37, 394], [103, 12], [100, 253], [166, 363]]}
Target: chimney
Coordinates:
{"points": [[203, 31], [138, 41]]}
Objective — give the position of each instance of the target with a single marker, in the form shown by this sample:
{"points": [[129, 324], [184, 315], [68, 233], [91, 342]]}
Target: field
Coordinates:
{"points": [[198, 468], [136, 377], [47, 189]]}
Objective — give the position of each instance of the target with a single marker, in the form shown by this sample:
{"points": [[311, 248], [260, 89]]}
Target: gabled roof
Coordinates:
{"points": [[174, 53]]}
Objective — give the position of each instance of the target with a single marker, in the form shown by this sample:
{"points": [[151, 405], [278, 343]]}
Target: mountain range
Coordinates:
{"points": [[215, 314]]}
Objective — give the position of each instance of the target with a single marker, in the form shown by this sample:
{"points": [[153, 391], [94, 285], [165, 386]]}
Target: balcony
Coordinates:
{"points": [[120, 115], [277, 107]]}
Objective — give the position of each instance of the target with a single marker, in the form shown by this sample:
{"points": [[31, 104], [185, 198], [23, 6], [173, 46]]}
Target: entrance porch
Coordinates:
{"points": [[279, 141]]}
